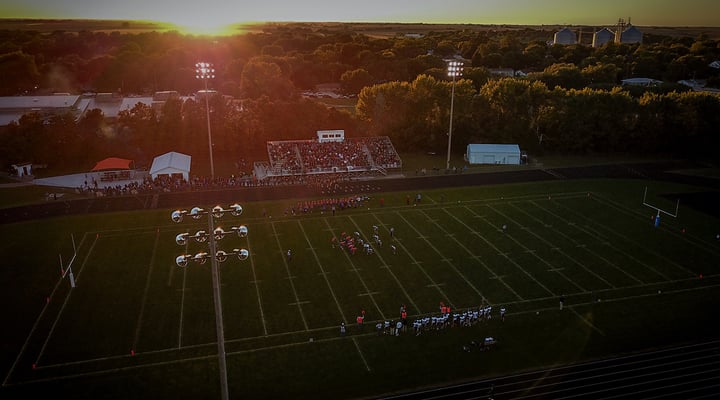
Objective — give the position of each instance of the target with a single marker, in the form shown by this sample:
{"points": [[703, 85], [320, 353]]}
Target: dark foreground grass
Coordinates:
{"points": [[138, 326]]}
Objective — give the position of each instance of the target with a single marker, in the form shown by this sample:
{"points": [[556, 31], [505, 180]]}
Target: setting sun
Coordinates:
{"points": [[211, 26]]}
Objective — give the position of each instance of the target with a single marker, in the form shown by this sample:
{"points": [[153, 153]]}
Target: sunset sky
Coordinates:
{"points": [[209, 14]]}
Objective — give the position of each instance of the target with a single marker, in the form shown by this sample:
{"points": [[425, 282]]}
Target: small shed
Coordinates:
{"points": [[172, 164], [485, 153]]}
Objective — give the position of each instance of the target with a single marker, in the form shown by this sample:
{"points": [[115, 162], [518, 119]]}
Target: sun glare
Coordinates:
{"points": [[206, 29], [204, 25]]}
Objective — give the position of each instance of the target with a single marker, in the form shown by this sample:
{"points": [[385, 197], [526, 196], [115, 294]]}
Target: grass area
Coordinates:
{"points": [[31, 194], [138, 326]]}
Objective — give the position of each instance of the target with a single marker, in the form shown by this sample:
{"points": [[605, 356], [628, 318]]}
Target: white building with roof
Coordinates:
{"points": [[486, 153], [172, 164], [12, 108]]}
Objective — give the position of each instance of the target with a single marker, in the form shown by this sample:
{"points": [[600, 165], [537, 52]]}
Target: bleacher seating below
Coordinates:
{"points": [[313, 157]]}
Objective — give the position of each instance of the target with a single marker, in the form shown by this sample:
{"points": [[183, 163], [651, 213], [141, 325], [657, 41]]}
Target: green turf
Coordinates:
{"points": [[138, 326]]}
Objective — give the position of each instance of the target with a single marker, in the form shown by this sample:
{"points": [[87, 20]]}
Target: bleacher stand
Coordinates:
{"points": [[316, 157]]}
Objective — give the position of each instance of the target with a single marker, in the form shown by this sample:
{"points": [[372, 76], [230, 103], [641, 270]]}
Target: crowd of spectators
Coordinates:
{"points": [[323, 165], [330, 183], [311, 156]]}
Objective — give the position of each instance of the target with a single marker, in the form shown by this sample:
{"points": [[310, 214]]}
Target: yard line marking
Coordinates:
{"points": [[182, 307], [369, 294], [569, 257], [323, 273], [37, 321], [362, 357], [490, 270], [568, 237], [299, 303], [542, 260], [449, 260], [412, 258], [145, 293], [386, 265], [292, 284], [116, 370], [256, 282], [513, 262], [594, 233], [67, 298]]}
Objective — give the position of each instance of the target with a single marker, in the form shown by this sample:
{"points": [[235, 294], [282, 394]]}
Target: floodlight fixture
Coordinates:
{"points": [[197, 212], [241, 230], [236, 209], [181, 238], [200, 257], [218, 212], [182, 260], [177, 215]]}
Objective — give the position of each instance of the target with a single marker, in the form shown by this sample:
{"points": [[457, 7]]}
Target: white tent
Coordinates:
{"points": [[493, 154], [171, 164]]}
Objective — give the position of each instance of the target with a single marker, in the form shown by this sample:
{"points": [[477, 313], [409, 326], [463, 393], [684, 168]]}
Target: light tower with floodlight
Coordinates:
{"points": [[205, 71], [455, 69]]}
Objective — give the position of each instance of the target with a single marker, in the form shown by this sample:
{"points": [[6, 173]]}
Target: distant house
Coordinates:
{"points": [[485, 153], [641, 82]]}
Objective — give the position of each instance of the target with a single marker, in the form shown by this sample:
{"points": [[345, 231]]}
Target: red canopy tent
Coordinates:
{"points": [[112, 163]]}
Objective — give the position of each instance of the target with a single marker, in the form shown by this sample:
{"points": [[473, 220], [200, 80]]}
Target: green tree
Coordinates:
{"points": [[18, 73], [261, 78], [353, 81]]}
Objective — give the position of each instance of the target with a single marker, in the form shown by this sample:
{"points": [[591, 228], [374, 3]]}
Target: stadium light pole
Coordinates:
{"points": [[215, 256], [455, 69], [206, 71]]}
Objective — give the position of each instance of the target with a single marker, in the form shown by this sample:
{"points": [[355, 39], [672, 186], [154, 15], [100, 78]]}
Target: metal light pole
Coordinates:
{"points": [[206, 71], [455, 69], [215, 256]]}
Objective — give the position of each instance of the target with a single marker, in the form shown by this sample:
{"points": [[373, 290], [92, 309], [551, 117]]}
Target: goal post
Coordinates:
{"points": [[659, 210], [68, 271]]}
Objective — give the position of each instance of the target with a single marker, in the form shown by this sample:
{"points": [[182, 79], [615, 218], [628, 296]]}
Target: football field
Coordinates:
{"points": [[137, 325]]}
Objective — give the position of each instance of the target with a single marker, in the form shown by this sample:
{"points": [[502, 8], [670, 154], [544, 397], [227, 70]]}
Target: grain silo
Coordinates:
{"points": [[603, 36], [631, 35], [565, 36]]}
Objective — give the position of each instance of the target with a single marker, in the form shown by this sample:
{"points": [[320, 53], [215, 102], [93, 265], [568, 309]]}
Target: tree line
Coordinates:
{"points": [[570, 103]]}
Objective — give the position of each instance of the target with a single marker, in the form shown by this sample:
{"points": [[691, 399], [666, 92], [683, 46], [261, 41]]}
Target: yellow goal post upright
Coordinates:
{"points": [[67, 271], [660, 210]]}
